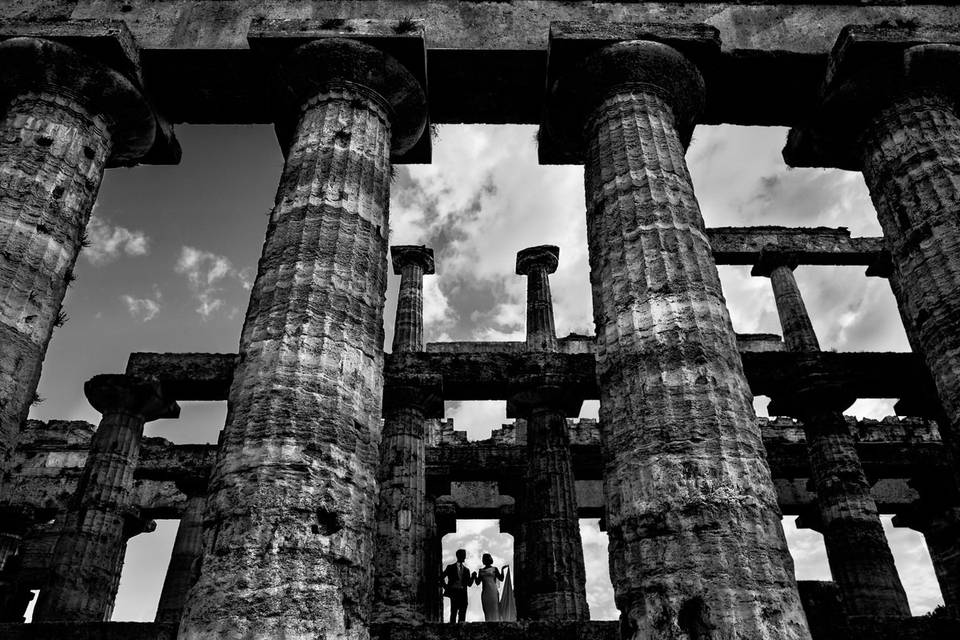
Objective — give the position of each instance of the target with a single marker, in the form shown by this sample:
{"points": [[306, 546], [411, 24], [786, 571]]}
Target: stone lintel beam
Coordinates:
{"points": [[539, 391], [805, 245], [903, 453], [867, 68], [475, 373], [275, 39], [423, 391], [559, 141], [111, 43], [186, 376]]}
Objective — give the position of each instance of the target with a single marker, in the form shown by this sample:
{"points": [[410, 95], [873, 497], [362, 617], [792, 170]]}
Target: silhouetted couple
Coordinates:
{"points": [[457, 578]]}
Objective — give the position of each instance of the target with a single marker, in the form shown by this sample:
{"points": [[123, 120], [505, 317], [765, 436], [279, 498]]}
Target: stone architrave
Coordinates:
{"points": [[550, 580], [288, 530], [860, 559], [400, 579], [696, 544], [184, 559], [66, 115], [88, 556]]}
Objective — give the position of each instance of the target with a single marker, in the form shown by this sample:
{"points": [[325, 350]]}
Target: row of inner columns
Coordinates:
{"points": [[696, 546]]}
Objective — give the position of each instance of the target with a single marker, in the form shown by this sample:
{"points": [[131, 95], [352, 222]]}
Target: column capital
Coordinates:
{"points": [[869, 68], [587, 62], [93, 63], [544, 255], [403, 254], [771, 259], [385, 57], [120, 393]]}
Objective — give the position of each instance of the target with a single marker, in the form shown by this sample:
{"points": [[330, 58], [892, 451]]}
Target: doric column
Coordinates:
{"points": [[548, 551], [411, 263], [537, 263], [290, 515], [87, 559], [400, 582], [65, 116], [860, 559], [889, 108], [548, 554], [184, 560], [696, 545]]}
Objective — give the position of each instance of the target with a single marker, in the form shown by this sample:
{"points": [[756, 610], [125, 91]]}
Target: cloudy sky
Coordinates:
{"points": [[174, 251]]}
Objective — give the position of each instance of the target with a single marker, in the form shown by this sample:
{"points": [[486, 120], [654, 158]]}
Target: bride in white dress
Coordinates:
{"points": [[487, 578]]}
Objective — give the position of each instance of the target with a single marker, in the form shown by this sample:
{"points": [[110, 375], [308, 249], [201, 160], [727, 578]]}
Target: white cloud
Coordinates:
{"points": [[206, 272], [143, 308], [107, 242]]}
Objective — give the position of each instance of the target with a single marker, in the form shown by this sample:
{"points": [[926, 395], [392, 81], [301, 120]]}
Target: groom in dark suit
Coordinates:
{"points": [[456, 579]]}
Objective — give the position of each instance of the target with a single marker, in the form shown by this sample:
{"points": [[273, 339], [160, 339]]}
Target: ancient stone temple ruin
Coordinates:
{"points": [[333, 449]]}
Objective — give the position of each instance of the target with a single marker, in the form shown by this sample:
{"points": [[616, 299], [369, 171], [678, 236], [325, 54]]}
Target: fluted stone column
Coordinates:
{"points": [[400, 582], [548, 552], [183, 567], [857, 549], [65, 116], [88, 557], [889, 108], [290, 517], [696, 545], [537, 263], [411, 263], [860, 559]]}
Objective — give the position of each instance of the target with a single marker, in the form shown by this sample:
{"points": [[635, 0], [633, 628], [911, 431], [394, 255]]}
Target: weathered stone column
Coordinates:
{"points": [[411, 263], [400, 583], [537, 263], [548, 552], [88, 556], [696, 545], [65, 116], [857, 549], [889, 108], [290, 518], [184, 560]]}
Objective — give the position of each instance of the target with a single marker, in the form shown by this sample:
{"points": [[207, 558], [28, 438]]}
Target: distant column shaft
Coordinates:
{"points": [[400, 580], [182, 569], [550, 576], [88, 556], [860, 559]]}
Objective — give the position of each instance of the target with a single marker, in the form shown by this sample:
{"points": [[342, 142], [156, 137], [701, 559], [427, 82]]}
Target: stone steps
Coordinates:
{"points": [[919, 628]]}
